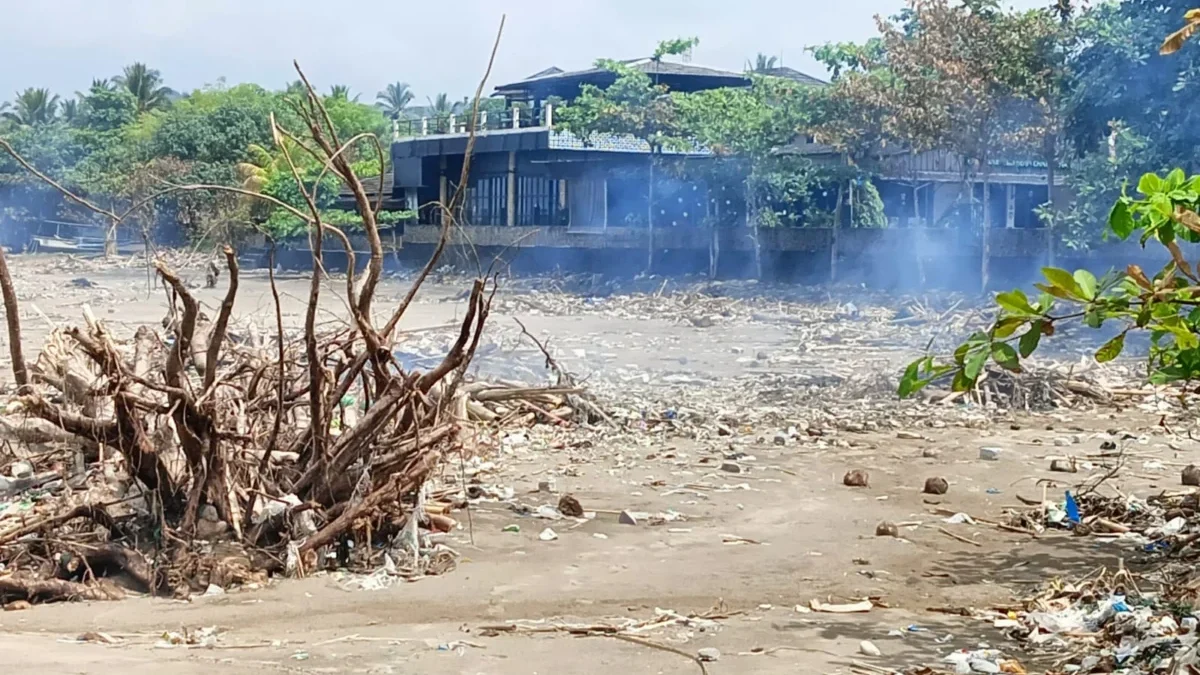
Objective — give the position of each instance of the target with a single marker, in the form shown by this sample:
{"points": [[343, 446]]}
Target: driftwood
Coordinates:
{"points": [[199, 419]]}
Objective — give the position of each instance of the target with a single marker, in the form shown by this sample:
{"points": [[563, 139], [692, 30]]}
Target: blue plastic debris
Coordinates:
{"points": [[1072, 509], [993, 491]]}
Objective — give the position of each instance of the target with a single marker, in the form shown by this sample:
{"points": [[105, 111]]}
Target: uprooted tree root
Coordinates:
{"points": [[247, 441]]}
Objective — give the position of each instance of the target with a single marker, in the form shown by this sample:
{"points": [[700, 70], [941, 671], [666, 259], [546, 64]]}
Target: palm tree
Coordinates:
{"points": [[440, 106], [394, 99], [70, 109], [103, 84], [146, 86], [341, 91], [762, 63], [32, 107]]}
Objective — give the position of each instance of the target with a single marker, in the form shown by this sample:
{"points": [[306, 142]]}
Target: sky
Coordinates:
{"points": [[433, 45]]}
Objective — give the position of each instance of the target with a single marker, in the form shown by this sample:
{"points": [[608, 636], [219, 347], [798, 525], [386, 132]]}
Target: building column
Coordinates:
{"points": [[511, 191], [443, 187], [1010, 206]]}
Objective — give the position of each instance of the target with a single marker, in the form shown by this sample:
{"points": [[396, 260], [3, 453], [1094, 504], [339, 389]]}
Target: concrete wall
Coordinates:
{"points": [[885, 258]]}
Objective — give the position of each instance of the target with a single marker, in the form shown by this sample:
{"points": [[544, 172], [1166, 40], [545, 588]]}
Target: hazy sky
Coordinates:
{"points": [[434, 45]]}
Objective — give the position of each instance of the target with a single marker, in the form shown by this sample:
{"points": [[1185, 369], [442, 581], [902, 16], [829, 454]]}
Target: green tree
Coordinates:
{"points": [[394, 99], [762, 63], [341, 91], [146, 85], [32, 107], [633, 105]]}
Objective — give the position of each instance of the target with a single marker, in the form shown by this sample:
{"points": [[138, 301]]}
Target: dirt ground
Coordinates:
{"points": [[782, 532]]}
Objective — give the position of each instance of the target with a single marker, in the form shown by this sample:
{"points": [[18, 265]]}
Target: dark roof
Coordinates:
{"points": [[370, 185], [793, 74], [677, 76], [552, 70]]}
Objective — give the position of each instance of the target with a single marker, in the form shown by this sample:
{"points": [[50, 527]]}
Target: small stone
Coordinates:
{"points": [[208, 530], [1063, 466], [709, 654], [627, 518], [1061, 442], [869, 649], [930, 453], [16, 606], [936, 486], [683, 360], [732, 467], [887, 529], [209, 512], [990, 454], [546, 485], [737, 350], [548, 535], [1108, 445], [781, 439], [908, 436], [761, 356], [1191, 476], [856, 478], [21, 469], [570, 507]]}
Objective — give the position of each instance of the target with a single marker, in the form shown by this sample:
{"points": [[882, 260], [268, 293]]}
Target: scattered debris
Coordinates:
{"points": [[570, 507], [936, 486], [856, 478]]}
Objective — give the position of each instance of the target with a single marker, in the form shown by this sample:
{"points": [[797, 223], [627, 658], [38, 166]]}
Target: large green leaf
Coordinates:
{"points": [[1064, 281], [1120, 220], [1029, 341], [1015, 301], [1006, 357], [1150, 184], [1087, 284], [1111, 349]]}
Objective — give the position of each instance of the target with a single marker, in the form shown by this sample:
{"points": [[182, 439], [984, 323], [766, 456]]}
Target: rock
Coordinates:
{"points": [[761, 356], [1061, 442], [570, 507], [856, 478], [209, 512], [936, 486], [546, 485], [548, 535], [990, 454], [209, 530], [1108, 445], [1191, 475], [930, 453], [708, 654], [1063, 466], [869, 649], [21, 469], [909, 436], [732, 467], [627, 518], [781, 439], [887, 529], [737, 350], [16, 606]]}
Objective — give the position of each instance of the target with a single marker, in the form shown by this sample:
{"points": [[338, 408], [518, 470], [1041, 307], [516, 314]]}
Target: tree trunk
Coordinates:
{"points": [[752, 222], [110, 241], [918, 236], [985, 258], [1051, 171], [833, 233], [650, 217], [714, 244]]}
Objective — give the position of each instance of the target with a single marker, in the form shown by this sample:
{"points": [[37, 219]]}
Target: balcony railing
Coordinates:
{"points": [[461, 123]]}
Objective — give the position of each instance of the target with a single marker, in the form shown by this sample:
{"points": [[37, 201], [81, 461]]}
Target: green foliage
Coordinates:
{"points": [[146, 86], [1166, 306], [32, 107], [394, 99], [674, 47]]}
